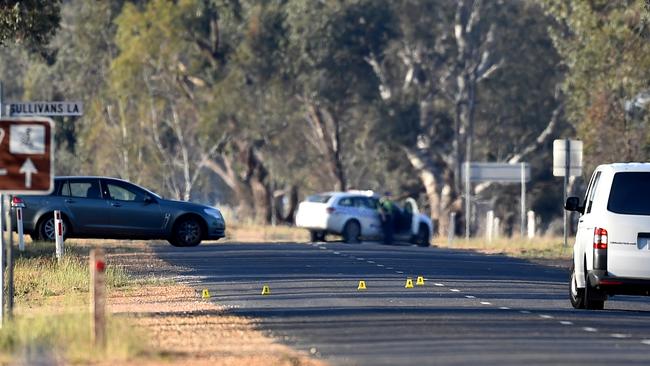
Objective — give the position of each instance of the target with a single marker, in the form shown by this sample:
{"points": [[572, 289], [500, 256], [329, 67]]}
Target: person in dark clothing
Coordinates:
{"points": [[387, 211]]}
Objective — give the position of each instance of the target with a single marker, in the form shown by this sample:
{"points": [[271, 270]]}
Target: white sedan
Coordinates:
{"points": [[354, 216]]}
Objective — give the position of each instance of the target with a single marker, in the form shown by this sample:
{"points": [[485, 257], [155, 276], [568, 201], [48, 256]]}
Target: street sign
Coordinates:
{"points": [[26, 155], [496, 172], [560, 158], [17, 109]]}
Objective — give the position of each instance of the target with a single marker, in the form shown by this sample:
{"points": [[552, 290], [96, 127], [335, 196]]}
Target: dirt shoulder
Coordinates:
{"points": [[183, 328]]}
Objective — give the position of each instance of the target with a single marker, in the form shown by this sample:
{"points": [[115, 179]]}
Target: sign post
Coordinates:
{"points": [[497, 172], [567, 162]]}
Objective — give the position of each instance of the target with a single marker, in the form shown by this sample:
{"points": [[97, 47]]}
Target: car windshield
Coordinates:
{"points": [[319, 198], [628, 194]]}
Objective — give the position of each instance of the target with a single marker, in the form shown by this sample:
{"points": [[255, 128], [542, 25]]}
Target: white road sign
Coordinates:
{"points": [[496, 172], [17, 109], [560, 157]]}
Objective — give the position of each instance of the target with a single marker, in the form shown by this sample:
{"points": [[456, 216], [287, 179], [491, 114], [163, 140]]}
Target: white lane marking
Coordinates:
{"points": [[544, 316], [371, 262], [646, 341], [524, 311], [322, 248], [486, 303], [439, 284], [361, 259], [380, 265], [470, 297], [400, 272], [337, 253], [589, 329], [390, 268], [565, 322], [454, 290], [619, 335], [504, 308]]}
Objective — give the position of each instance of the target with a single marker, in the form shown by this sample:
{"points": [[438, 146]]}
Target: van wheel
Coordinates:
{"points": [[591, 297], [351, 232], [576, 295], [316, 236]]}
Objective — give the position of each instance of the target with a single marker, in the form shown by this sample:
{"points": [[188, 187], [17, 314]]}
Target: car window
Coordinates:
{"points": [[628, 194], [319, 198], [364, 202], [81, 189], [346, 202], [592, 192], [122, 192]]}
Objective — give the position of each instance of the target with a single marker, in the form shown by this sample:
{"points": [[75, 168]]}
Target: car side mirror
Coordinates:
{"points": [[149, 200], [573, 204]]}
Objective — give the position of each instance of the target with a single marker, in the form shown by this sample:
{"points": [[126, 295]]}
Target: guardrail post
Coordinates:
{"points": [[58, 230], [98, 299], [21, 234]]}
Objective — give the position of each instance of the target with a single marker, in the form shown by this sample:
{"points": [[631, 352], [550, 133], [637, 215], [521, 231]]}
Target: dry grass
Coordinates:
{"points": [[538, 248], [265, 233]]}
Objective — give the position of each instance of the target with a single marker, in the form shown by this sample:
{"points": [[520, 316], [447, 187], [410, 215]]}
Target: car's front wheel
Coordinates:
{"points": [[576, 295], [186, 233], [316, 236], [351, 232], [47, 228]]}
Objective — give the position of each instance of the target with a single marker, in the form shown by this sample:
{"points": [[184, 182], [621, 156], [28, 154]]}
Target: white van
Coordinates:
{"points": [[611, 255]]}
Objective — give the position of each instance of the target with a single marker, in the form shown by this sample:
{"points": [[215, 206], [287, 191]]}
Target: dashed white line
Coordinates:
{"points": [[380, 265], [566, 322], [524, 311], [361, 259], [389, 268], [400, 272], [371, 262], [619, 335], [486, 303], [337, 253], [454, 290], [646, 341], [470, 297], [590, 329], [504, 308], [439, 284], [544, 316]]}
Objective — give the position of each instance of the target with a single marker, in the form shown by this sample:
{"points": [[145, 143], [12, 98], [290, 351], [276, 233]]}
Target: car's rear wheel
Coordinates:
{"points": [[576, 295], [316, 236], [186, 233], [47, 228], [351, 232]]}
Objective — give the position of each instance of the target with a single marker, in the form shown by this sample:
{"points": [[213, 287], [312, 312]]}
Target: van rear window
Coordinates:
{"points": [[319, 198], [629, 194]]}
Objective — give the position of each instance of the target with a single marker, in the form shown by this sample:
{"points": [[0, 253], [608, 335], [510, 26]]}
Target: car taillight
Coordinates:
{"points": [[600, 238], [17, 202], [330, 210]]}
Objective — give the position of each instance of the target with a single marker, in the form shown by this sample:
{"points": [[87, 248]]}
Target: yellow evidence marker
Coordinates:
{"points": [[205, 294], [409, 283], [362, 285], [266, 290], [420, 281]]}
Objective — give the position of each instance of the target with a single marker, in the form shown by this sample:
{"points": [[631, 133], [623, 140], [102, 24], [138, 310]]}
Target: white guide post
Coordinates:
{"points": [[58, 230]]}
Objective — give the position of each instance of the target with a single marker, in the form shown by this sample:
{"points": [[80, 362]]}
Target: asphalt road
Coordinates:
{"points": [[473, 308]]}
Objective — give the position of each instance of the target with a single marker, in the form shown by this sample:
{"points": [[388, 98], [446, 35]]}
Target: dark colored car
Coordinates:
{"points": [[102, 207]]}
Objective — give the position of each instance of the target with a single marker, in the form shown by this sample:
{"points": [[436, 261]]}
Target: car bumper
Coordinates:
{"points": [[619, 285]]}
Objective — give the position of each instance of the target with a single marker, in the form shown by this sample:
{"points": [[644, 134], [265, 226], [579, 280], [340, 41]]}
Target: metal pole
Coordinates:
{"points": [[2, 259], [523, 198], [468, 203], [10, 263], [567, 166]]}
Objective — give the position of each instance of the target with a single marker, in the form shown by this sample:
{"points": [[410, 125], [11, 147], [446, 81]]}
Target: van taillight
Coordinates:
{"points": [[600, 238], [330, 210]]}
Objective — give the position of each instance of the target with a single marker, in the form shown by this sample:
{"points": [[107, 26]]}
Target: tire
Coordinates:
{"points": [[576, 295], [351, 232], [46, 229], [187, 233], [592, 297], [422, 238], [316, 236]]}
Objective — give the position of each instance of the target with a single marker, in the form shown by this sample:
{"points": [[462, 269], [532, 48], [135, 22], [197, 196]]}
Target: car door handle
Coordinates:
{"points": [[115, 204], [580, 221], [69, 201]]}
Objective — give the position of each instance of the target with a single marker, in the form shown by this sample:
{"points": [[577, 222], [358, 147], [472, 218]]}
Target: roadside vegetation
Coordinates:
{"points": [[551, 248], [51, 314]]}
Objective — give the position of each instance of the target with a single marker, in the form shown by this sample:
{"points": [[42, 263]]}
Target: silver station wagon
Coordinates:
{"points": [[102, 207]]}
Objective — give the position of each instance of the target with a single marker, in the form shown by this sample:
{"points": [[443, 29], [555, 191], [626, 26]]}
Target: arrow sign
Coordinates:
{"points": [[28, 169]]}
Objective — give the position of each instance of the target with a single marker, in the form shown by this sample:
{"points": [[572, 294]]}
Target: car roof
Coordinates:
{"points": [[351, 193], [625, 167], [87, 177]]}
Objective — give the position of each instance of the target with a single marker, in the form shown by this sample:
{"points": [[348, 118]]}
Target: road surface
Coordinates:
{"points": [[473, 308]]}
